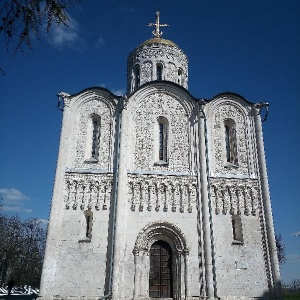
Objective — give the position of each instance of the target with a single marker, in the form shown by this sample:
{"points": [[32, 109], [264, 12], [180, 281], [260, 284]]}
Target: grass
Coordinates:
{"points": [[291, 296]]}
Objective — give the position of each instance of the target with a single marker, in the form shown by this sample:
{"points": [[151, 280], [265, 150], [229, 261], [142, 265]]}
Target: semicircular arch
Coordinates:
{"points": [[170, 89], [99, 95], [161, 230], [235, 100]]}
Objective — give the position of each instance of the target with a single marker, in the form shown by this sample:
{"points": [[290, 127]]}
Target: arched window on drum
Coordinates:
{"points": [[180, 77], [136, 74], [159, 72]]}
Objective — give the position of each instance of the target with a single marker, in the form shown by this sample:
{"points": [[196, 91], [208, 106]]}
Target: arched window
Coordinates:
{"points": [[95, 138], [237, 231], [230, 142], [163, 139], [159, 72], [89, 223], [136, 77], [161, 275], [179, 78]]}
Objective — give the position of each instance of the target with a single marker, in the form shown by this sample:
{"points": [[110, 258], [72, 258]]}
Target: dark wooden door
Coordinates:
{"points": [[160, 277]]}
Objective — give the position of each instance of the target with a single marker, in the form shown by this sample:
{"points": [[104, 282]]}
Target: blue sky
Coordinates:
{"points": [[247, 47]]}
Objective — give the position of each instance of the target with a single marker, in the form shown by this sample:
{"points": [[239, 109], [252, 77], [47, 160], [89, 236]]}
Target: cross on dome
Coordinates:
{"points": [[156, 32]]}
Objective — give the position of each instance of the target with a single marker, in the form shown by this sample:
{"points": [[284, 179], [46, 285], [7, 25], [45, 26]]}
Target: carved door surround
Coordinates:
{"points": [[171, 234]]}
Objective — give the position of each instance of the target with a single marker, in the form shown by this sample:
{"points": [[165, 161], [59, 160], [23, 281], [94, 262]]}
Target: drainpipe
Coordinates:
{"points": [[266, 199], [204, 192], [115, 197]]}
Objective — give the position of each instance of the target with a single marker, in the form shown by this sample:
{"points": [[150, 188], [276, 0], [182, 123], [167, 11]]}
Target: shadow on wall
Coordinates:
{"points": [[271, 294], [266, 295]]}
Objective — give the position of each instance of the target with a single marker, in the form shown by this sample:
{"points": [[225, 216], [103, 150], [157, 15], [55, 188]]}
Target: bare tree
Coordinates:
{"points": [[21, 250], [9, 247], [22, 19], [30, 257]]}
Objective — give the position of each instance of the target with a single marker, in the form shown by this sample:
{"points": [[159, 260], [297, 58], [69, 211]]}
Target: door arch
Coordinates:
{"points": [[161, 270], [174, 241]]}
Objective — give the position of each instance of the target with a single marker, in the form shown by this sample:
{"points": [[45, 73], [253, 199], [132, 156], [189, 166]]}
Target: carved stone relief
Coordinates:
{"points": [[171, 52], [223, 112], [100, 108], [171, 72], [148, 234], [171, 57], [87, 191], [146, 112], [170, 233], [146, 72], [162, 193], [235, 196]]}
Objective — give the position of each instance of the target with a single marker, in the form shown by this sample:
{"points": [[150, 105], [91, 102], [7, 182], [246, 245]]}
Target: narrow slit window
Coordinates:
{"points": [[88, 220], [233, 223], [95, 139], [227, 143], [159, 70], [230, 142], [89, 223], [136, 77], [163, 139], [179, 80], [237, 231]]}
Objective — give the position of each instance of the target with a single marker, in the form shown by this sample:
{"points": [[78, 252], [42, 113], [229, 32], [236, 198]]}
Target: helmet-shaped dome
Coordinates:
{"points": [[156, 59]]}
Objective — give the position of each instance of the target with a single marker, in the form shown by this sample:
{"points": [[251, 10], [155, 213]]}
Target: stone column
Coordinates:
{"points": [[138, 263], [267, 203], [202, 171], [186, 274], [180, 294], [145, 275], [117, 224]]}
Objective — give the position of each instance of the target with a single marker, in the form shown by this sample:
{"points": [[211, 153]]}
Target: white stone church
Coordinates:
{"points": [[159, 194]]}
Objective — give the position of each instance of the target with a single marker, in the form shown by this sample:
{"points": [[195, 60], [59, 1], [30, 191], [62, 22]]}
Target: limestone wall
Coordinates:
{"points": [[108, 208], [240, 265]]}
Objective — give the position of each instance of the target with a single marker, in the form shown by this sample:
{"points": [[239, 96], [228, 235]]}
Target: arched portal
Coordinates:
{"points": [[160, 255], [161, 270]]}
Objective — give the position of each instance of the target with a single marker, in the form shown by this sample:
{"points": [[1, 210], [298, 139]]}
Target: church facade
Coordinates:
{"points": [[159, 194]]}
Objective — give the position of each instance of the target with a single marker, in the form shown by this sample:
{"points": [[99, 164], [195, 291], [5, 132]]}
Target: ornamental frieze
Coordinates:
{"points": [[170, 53], [88, 191], [162, 193], [235, 196]]}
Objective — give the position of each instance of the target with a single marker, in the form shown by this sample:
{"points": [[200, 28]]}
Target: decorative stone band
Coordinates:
{"points": [[87, 191], [162, 192], [235, 196], [165, 51]]}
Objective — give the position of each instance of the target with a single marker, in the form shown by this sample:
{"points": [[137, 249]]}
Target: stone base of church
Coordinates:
{"points": [[57, 297]]}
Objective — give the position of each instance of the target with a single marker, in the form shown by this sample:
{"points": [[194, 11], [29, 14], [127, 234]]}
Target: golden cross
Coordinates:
{"points": [[156, 32]]}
